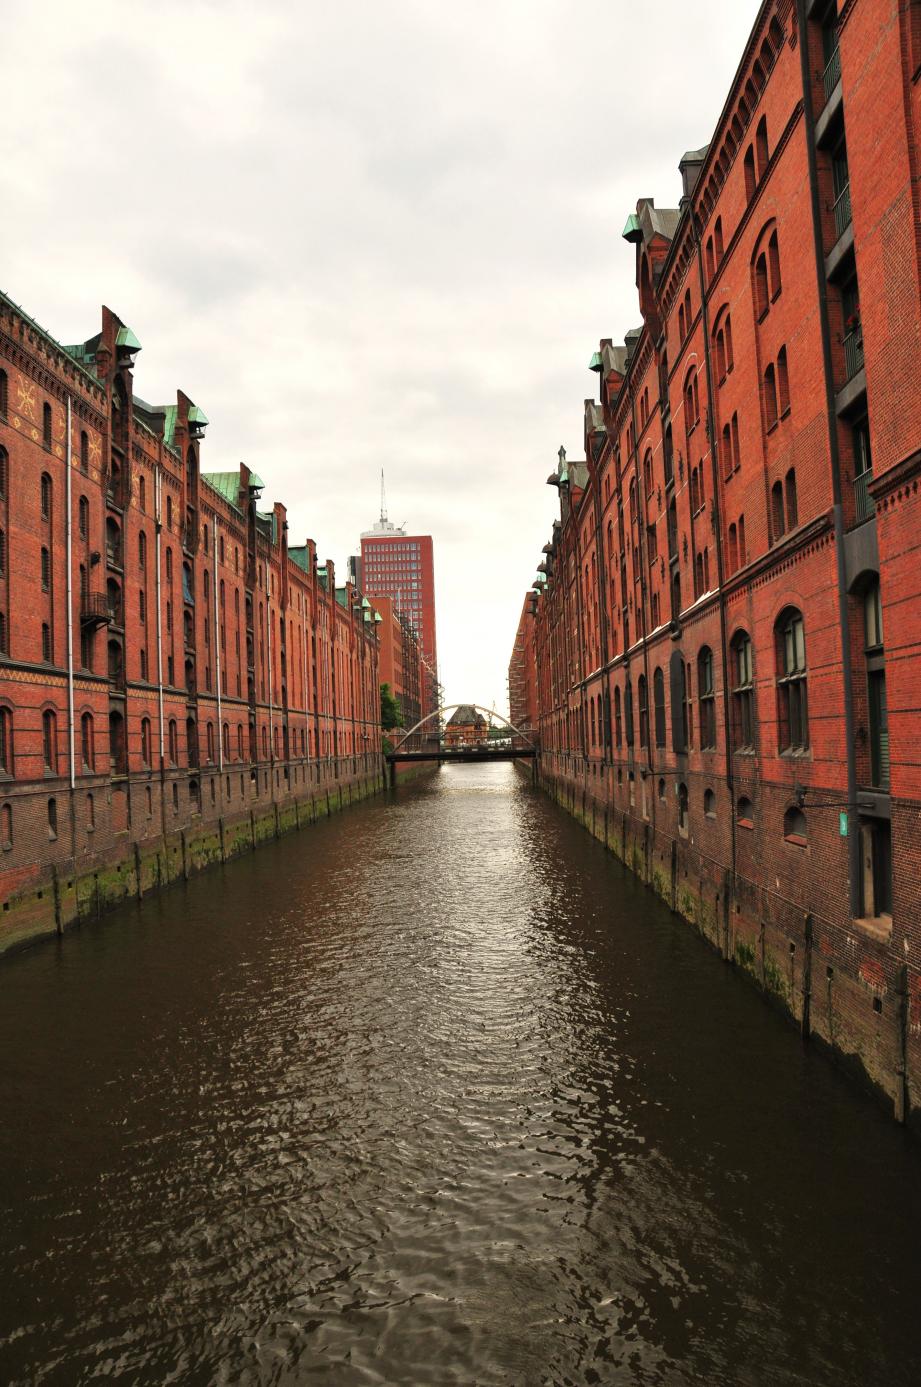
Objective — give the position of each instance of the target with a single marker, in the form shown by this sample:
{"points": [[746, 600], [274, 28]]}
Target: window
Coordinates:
{"points": [[761, 145], [678, 691], [683, 807], [173, 741], [745, 812], [774, 265], [790, 497], [142, 550], [50, 741], [4, 394], [762, 292], [691, 401], [6, 826], [643, 710], [877, 710], [6, 741], [87, 742], [3, 473], [47, 652], [706, 698], [794, 826], [709, 804], [90, 814], [658, 696], [618, 720], [84, 517], [743, 552], [628, 712], [770, 397], [84, 451], [662, 789], [718, 238], [783, 382], [777, 523], [145, 741], [46, 425], [750, 180], [743, 693], [46, 496], [876, 867], [792, 713], [52, 819], [46, 570], [733, 549]]}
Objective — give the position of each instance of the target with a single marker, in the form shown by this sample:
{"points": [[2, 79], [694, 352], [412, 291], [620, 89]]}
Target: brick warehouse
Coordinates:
{"points": [[726, 622], [212, 686]]}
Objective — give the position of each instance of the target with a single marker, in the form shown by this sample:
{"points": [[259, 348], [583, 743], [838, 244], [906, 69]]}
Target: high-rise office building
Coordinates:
{"points": [[398, 565]]}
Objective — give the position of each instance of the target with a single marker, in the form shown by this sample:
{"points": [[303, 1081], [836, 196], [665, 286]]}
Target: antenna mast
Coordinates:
{"points": [[383, 500]]}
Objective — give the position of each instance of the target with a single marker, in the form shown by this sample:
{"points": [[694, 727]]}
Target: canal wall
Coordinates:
{"points": [[842, 987], [153, 851]]}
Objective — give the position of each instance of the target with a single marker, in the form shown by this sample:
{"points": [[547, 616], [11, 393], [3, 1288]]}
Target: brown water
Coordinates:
{"points": [[434, 1093]]}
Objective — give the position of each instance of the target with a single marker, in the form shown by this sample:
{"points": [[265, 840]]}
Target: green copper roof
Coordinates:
{"points": [[632, 231], [256, 480], [596, 364], [126, 338], [365, 603], [198, 416], [169, 424], [226, 484]]}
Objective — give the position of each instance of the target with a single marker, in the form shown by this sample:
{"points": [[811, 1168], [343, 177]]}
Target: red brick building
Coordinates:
{"points": [[522, 669], [401, 566], [400, 659], [726, 648], [466, 727], [166, 659]]}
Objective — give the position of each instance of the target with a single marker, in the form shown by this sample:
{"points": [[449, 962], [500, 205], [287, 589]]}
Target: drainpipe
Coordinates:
{"points": [[718, 533], [641, 550], [853, 841], [217, 645], [158, 528], [268, 638], [69, 532]]}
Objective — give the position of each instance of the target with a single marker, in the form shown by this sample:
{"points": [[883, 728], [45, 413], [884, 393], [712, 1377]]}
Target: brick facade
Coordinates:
{"points": [[209, 676], [726, 623]]}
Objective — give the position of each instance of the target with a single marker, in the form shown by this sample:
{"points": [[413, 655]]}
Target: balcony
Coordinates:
{"points": [[853, 352], [864, 505], [842, 210], [832, 74], [95, 610]]}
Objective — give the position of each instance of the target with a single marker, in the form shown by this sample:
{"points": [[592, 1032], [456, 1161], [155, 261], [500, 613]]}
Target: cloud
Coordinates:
{"points": [[362, 235]]}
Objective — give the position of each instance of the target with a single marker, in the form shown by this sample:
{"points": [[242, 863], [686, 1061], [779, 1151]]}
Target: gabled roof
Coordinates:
{"points": [[466, 714]]}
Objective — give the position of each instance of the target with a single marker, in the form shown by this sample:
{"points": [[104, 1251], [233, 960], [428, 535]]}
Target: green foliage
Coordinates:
{"points": [[390, 709]]}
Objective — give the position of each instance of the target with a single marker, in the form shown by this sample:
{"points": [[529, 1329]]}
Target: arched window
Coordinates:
{"points": [[647, 473], [226, 740], [113, 542], [745, 812], [777, 522], [727, 453], [46, 425], [209, 740], [733, 549], [706, 698], [628, 712], [618, 719], [774, 265], [643, 706], [87, 742], [173, 741], [239, 741], [84, 451], [145, 741], [142, 493], [90, 814], [52, 819], [142, 550], [750, 180], [743, 693], [50, 741], [877, 708], [46, 569], [83, 511], [792, 710], [794, 826], [6, 741], [709, 804], [6, 826], [761, 145], [4, 394], [691, 400], [783, 382], [668, 457], [46, 496], [790, 497], [718, 238], [659, 705], [662, 789], [118, 750], [762, 292], [770, 397], [4, 465]]}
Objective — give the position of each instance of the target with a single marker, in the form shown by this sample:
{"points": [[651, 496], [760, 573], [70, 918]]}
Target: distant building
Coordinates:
{"points": [[399, 660], [401, 566], [466, 727]]}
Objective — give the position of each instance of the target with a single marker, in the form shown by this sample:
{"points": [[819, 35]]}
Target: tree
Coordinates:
{"points": [[390, 709]]}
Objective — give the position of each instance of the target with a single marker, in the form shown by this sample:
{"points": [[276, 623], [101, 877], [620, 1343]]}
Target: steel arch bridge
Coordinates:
{"points": [[522, 748]]}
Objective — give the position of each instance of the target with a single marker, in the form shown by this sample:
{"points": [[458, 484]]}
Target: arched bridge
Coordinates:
{"points": [[517, 746]]}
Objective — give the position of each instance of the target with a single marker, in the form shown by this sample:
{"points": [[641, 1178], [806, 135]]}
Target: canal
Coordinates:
{"points": [[434, 1093]]}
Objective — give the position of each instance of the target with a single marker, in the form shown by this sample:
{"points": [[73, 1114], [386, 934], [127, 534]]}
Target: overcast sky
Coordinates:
{"points": [[362, 235]]}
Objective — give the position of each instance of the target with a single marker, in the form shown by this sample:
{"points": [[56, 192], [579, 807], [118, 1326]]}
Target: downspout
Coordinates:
{"points": [[641, 550], [158, 528], [718, 534], [268, 637], [69, 533], [853, 840], [217, 645]]}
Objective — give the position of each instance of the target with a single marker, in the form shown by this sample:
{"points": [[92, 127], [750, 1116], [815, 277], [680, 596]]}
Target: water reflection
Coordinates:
{"points": [[433, 1093]]}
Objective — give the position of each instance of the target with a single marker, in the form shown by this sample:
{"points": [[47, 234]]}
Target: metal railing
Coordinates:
{"points": [[853, 353], [94, 607], [842, 210], [832, 74], [864, 505]]}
